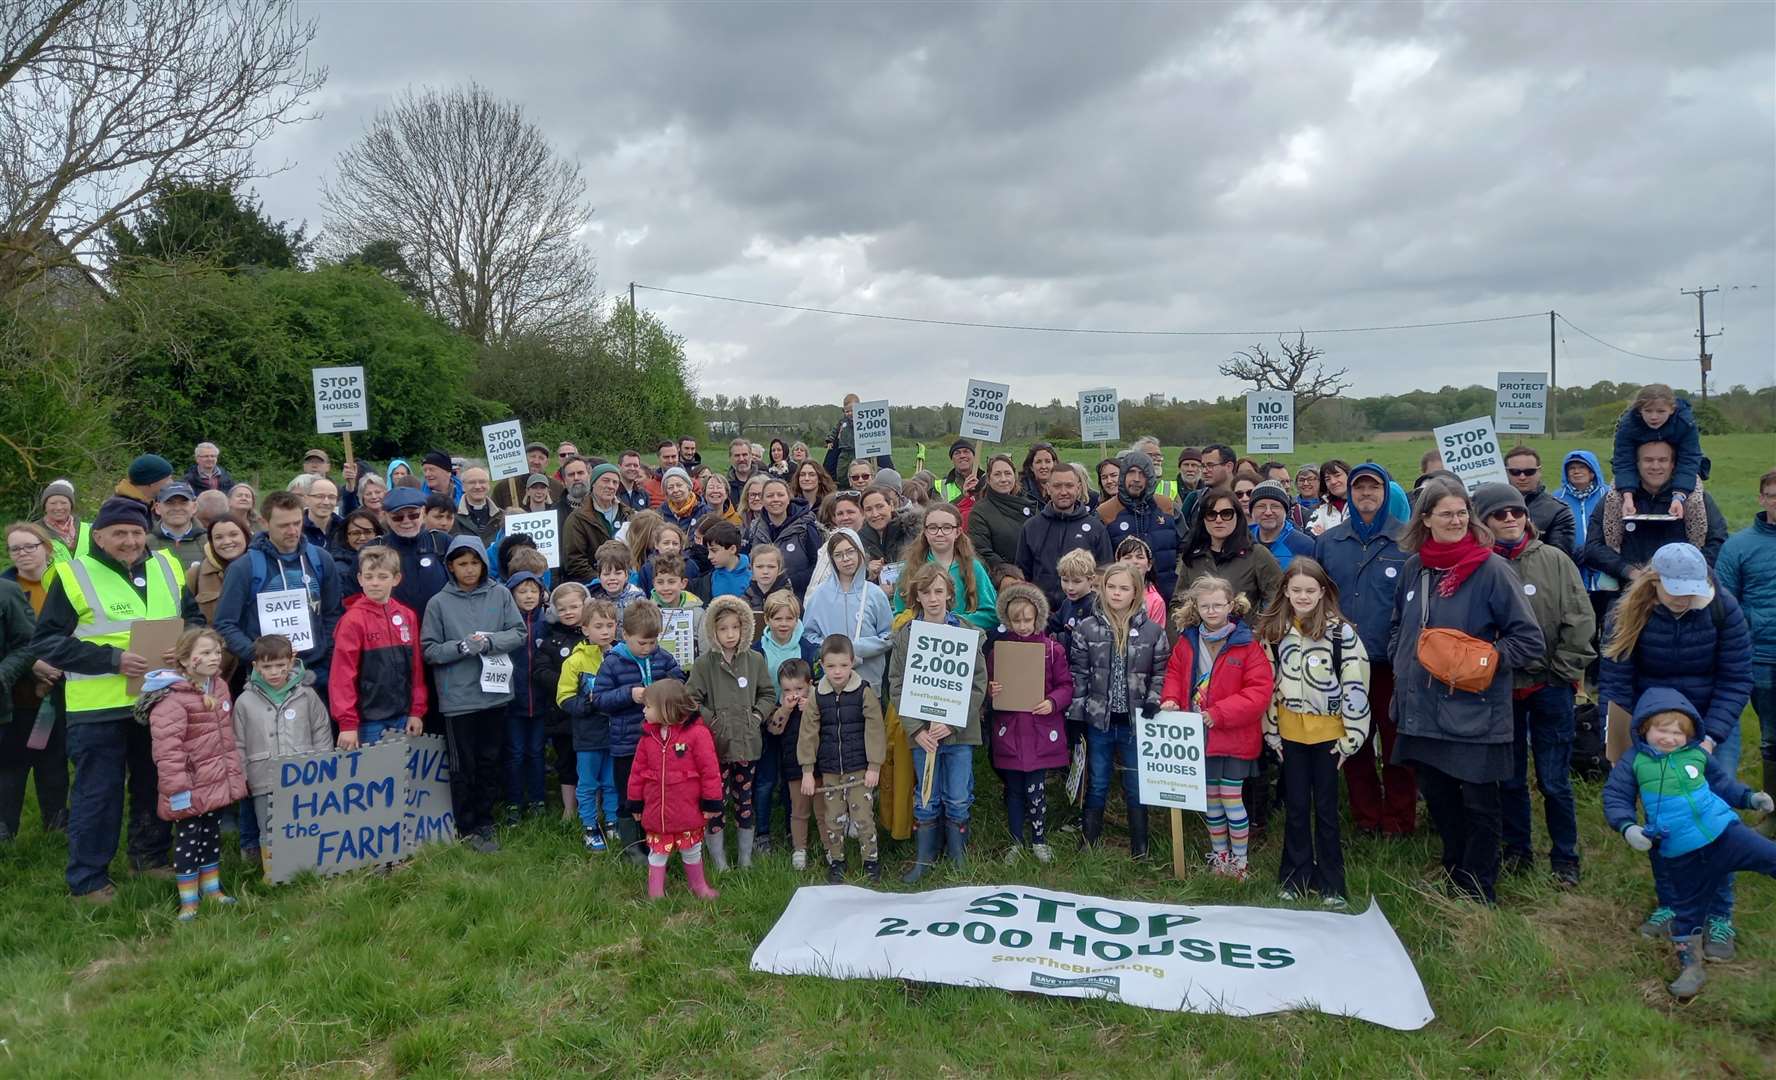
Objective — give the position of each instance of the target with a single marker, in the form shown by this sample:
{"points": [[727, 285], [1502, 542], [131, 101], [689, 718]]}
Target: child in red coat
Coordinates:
{"points": [[676, 780], [1219, 669]]}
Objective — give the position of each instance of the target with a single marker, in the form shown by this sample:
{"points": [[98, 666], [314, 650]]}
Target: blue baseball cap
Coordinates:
{"points": [[1682, 570], [403, 498]]}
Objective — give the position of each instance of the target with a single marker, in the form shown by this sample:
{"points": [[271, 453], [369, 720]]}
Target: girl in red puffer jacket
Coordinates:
{"points": [[1219, 669], [676, 780], [199, 767]]}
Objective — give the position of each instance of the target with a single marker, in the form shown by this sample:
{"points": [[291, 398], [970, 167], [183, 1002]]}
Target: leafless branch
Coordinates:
{"points": [[1298, 369]]}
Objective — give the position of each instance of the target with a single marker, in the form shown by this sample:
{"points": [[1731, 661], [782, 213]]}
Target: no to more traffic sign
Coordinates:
{"points": [[1270, 422]]}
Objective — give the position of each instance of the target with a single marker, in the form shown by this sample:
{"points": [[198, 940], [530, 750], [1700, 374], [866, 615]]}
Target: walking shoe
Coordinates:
{"points": [[835, 872], [1220, 862], [484, 842], [1288, 895], [510, 817], [873, 867], [1335, 902], [1516, 862], [1691, 973], [1566, 875], [1014, 856], [1044, 854], [1658, 924], [1717, 943], [593, 838], [799, 859], [100, 896], [761, 845], [1237, 868]]}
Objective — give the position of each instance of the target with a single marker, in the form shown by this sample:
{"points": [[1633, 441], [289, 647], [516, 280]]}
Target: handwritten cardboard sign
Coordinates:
{"points": [[337, 811]]}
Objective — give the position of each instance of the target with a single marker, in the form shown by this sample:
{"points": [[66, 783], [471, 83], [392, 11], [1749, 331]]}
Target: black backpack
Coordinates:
{"points": [[1588, 761]]}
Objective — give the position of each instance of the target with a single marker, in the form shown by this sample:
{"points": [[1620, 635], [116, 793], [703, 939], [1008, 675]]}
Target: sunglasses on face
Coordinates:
{"points": [[1509, 513], [404, 515], [1221, 515], [1524, 472]]}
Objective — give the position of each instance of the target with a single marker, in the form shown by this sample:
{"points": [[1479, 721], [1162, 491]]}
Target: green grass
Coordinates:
{"points": [[543, 961]]}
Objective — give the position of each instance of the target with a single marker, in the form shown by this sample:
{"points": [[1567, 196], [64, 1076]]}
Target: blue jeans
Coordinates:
{"points": [[1695, 875], [370, 732], [768, 783], [525, 736], [103, 752], [249, 823], [1101, 748], [596, 776], [1544, 725], [1667, 883], [1763, 702], [952, 790]]}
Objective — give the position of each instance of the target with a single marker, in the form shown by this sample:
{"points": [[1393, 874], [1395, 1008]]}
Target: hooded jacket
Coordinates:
{"points": [[735, 696], [1706, 661], [1680, 430], [529, 697], [1148, 516], [262, 569], [1562, 609], [800, 647], [676, 780], [193, 745], [1583, 505], [1616, 546], [619, 673], [1090, 653], [723, 582], [273, 722], [573, 694], [558, 643], [1689, 795], [1289, 543], [1747, 570], [1026, 741], [1366, 571], [912, 725], [860, 612], [841, 729], [1246, 564], [378, 673], [1241, 683], [1054, 532], [452, 618], [996, 521]]}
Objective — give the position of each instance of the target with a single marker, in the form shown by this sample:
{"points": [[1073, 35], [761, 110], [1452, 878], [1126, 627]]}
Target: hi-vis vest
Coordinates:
{"points": [[82, 543], [106, 604]]}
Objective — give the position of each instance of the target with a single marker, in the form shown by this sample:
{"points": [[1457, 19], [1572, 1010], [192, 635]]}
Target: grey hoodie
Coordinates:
{"points": [[451, 618]]}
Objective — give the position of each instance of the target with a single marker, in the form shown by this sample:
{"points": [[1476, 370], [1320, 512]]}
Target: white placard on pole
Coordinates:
{"points": [[286, 612], [983, 410], [1169, 756], [543, 528], [505, 449], [1522, 407], [1100, 418], [342, 402], [1270, 422], [1470, 450], [939, 677], [871, 424]]}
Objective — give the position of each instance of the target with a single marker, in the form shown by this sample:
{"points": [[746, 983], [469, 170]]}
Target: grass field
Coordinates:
{"points": [[543, 961]]}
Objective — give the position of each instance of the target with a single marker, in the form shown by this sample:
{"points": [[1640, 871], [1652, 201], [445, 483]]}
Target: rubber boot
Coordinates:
{"points": [[1767, 827], [956, 841], [698, 883], [835, 872], [715, 850], [926, 839], [1137, 832], [1692, 973], [656, 881], [629, 835], [1092, 829], [873, 867], [746, 838]]}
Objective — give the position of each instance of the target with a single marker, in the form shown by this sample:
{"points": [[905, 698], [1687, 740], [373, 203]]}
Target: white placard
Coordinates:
{"points": [[939, 678], [342, 401], [496, 673], [1470, 450], [678, 634], [544, 528], [1169, 755], [1236, 961], [505, 449], [1270, 422], [1522, 407], [983, 410], [1100, 418], [872, 427], [286, 612]]}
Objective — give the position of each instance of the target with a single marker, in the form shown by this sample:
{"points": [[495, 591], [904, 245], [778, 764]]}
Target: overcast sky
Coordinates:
{"points": [[1154, 167]]}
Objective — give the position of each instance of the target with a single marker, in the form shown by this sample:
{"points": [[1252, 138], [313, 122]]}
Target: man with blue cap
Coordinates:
{"points": [[421, 549]]}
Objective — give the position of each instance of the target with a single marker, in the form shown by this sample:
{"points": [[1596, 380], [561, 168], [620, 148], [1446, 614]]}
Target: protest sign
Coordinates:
{"points": [[871, 424], [1100, 418], [505, 449], [286, 612], [1522, 407], [1270, 422], [543, 528], [1470, 450], [1235, 961], [428, 816], [1169, 755], [341, 401], [496, 673], [152, 638], [337, 811], [983, 410], [1021, 670], [939, 673], [678, 634]]}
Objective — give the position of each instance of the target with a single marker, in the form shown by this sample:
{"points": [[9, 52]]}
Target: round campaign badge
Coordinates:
{"points": [[1392, 572], [427, 561], [741, 682]]}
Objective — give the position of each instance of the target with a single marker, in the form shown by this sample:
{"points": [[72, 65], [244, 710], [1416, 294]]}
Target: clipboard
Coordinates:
{"points": [[1018, 668], [151, 638]]}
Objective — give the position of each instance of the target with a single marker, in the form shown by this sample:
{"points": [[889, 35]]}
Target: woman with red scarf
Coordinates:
{"points": [[1459, 741]]}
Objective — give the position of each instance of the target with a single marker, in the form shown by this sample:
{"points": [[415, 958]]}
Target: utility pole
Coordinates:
{"points": [[632, 320], [1553, 384], [1702, 334]]}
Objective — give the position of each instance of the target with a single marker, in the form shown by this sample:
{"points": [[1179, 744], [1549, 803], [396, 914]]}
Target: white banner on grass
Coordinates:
{"points": [[1236, 961]]}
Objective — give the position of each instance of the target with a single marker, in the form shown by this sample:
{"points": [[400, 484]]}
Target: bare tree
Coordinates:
{"points": [[1298, 369], [487, 214], [104, 101]]}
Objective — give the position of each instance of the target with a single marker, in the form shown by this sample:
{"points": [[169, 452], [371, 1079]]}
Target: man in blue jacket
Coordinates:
{"points": [[1362, 556], [1747, 571], [280, 560]]}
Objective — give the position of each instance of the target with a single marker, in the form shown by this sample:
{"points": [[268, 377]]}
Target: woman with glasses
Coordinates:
{"points": [[940, 539], [1242, 491], [1459, 741], [1220, 545], [360, 529], [34, 703]]}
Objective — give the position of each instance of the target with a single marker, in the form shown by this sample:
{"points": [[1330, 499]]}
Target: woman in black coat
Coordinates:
{"points": [[999, 512]]}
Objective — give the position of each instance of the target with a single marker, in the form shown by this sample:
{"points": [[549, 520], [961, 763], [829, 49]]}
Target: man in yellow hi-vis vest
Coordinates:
{"points": [[85, 630]]}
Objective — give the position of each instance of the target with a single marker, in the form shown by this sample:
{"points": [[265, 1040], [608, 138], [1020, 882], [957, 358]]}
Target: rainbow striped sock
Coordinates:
{"points": [[188, 895], [211, 876], [1217, 822], [1239, 829]]}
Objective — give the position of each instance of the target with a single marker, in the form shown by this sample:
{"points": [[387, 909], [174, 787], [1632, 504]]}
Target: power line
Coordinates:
{"points": [[1089, 330], [1618, 348]]}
